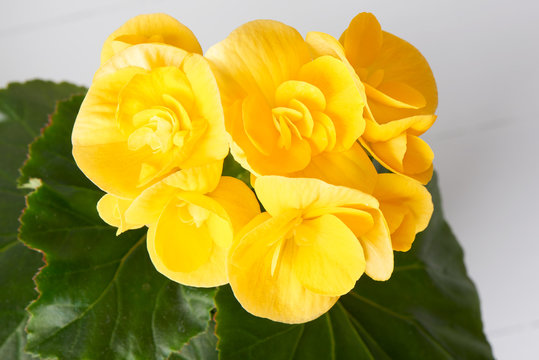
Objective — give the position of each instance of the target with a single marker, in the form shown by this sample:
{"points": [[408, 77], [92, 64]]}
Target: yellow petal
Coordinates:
{"points": [[344, 103], [214, 143], [279, 194], [406, 205], [328, 259], [258, 124], [419, 156], [267, 289], [186, 242], [237, 199], [112, 210], [211, 273], [96, 121], [363, 39], [150, 28], [396, 94], [260, 55], [377, 248], [415, 125], [201, 179], [144, 56], [150, 204], [351, 168], [321, 44]]}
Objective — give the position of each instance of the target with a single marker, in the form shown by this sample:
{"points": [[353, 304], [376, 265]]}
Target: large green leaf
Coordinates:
{"points": [[24, 110], [100, 296], [429, 309], [201, 347]]}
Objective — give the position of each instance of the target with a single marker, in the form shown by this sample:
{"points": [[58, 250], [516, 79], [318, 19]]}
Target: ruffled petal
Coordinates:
{"points": [[267, 287], [260, 55], [237, 199], [344, 103], [279, 194], [351, 168], [407, 207], [112, 210], [189, 242], [328, 259], [363, 39], [150, 28]]}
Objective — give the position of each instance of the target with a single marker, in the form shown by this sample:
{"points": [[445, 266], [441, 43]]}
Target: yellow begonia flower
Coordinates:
{"points": [[151, 28], [282, 106], [405, 203], [291, 263], [151, 110], [191, 217], [400, 92]]}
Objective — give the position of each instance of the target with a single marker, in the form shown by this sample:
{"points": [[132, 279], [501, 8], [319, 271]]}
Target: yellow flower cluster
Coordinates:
{"points": [[302, 115]]}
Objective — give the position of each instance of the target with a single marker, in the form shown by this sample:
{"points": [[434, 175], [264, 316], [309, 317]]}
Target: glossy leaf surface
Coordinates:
{"points": [[24, 110]]}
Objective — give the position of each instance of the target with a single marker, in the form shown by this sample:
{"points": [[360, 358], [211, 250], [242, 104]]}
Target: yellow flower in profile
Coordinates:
{"points": [[152, 109], [283, 107], [400, 92], [192, 216], [150, 28], [291, 263]]}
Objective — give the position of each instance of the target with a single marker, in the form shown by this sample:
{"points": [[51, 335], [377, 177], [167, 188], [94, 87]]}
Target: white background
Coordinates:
{"points": [[485, 56]]}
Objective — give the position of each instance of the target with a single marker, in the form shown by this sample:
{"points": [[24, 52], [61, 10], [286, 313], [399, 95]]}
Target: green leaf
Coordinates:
{"points": [[429, 309], [24, 110], [234, 169], [201, 347], [100, 296]]}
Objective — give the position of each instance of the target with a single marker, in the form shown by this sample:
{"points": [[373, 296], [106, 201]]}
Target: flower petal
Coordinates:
{"points": [[344, 103], [211, 273], [407, 207], [214, 142], [189, 249], [237, 199], [363, 39], [377, 248], [260, 55], [279, 194], [112, 210], [328, 259], [264, 288], [150, 28], [351, 168]]}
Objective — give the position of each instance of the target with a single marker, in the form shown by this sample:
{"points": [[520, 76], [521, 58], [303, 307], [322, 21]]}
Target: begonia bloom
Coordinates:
{"points": [[282, 106], [400, 93], [150, 28], [291, 263], [151, 110], [192, 216]]}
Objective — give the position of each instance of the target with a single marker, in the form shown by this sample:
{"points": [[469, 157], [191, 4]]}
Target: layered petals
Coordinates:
{"points": [[311, 246], [282, 105], [150, 28], [151, 109], [400, 92], [407, 208]]}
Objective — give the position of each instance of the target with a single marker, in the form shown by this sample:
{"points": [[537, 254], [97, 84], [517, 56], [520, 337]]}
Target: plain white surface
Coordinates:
{"points": [[485, 56]]}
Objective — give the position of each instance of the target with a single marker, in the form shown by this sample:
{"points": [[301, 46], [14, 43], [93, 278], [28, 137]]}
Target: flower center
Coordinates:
{"points": [[153, 113], [299, 114], [192, 214]]}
